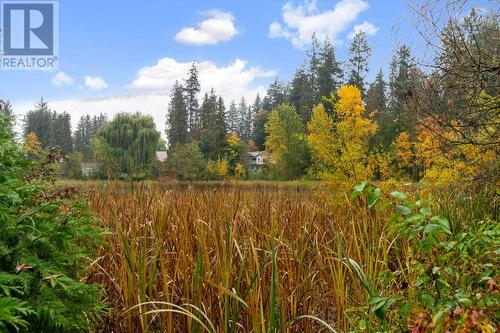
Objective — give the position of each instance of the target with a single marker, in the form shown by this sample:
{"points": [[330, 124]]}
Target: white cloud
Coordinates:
{"points": [[218, 27], [149, 92], [95, 83], [231, 81], [62, 79], [365, 27], [300, 22]]}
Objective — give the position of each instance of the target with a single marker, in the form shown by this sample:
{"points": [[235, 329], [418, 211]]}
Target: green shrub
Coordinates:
{"points": [[45, 240], [440, 278]]}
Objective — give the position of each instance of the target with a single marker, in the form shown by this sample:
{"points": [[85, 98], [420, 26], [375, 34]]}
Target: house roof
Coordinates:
{"points": [[161, 155], [87, 165], [255, 153]]}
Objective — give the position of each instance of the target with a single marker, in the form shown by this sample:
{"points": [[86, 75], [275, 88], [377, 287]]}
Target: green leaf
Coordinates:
{"points": [[405, 309], [359, 187], [381, 305], [463, 299], [427, 300], [373, 197], [434, 230], [443, 222], [398, 195], [414, 217], [426, 211], [362, 325], [403, 209], [439, 319]]}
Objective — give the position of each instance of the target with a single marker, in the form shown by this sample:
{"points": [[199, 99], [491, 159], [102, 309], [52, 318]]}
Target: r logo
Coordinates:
{"points": [[28, 29]]}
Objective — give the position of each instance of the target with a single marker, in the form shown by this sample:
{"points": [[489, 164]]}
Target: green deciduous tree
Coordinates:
{"points": [[286, 141], [132, 139], [186, 160]]}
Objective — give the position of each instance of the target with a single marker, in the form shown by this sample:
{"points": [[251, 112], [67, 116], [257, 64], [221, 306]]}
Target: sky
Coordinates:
{"points": [[124, 56]]}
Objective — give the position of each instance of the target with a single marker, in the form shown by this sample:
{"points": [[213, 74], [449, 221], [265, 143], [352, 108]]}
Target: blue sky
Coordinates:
{"points": [[125, 55]]}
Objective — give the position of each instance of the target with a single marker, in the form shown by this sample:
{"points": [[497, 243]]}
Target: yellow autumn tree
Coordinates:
{"points": [[239, 171], [340, 150], [442, 164], [32, 146], [404, 151], [321, 140], [222, 168]]}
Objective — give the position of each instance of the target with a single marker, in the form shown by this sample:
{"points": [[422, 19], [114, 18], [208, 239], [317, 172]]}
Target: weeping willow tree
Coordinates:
{"points": [[132, 139]]}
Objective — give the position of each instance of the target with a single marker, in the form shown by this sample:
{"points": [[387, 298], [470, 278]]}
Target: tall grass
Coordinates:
{"points": [[227, 260]]}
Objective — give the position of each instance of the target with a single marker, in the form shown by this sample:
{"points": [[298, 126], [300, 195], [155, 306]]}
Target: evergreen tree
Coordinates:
{"points": [[301, 94], [208, 111], [40, 122], [242, 115], [250, 117], [276, 95], [7, 117], [359, 52], [376, 107], [192, 88], [314, 65], [232, 117], [177, 120], [44, 239], [62, 132], [259, 135], [97, 122], [400, 84], [86, 130], [213, 137], [329, 74], [80, 136], [257, 106], [376, 99], [50, 127]]}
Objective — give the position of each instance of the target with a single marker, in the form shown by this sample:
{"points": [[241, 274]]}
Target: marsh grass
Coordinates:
{"points": [[251, 258], [232, 259]]}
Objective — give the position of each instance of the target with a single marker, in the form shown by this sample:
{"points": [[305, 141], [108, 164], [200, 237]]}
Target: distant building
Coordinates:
{"points": [[161, 155], [90, 169], [259, 158]]}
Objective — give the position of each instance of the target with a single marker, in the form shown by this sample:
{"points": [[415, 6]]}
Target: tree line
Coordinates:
{"points": [[421, 118]]}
